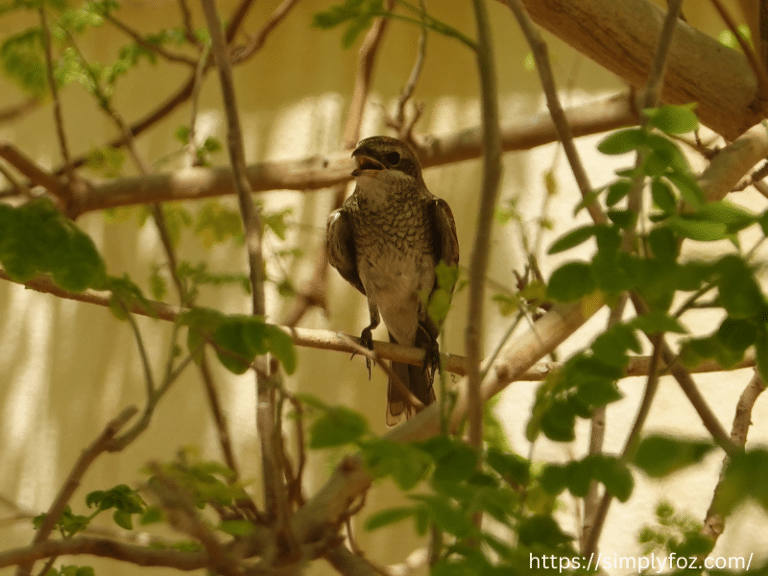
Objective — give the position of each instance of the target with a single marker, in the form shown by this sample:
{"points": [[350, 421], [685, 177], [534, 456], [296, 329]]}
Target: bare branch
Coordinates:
{"points": [[714, 523], [318, 172], [339, 342], [144, 43], [14, 111], [478, 264], [105, 548], [29, 168]]}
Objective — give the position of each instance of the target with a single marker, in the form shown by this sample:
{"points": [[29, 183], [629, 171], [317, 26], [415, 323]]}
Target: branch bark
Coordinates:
{"points": [[622, 36], [321, 172]]}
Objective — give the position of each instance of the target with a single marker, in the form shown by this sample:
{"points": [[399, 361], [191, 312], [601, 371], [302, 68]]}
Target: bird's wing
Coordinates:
{"points": [[341, 247], [446, 242]]}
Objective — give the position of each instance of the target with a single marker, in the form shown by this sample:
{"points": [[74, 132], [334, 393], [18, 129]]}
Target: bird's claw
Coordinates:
{"points": [[431, 358], [366, 340]]}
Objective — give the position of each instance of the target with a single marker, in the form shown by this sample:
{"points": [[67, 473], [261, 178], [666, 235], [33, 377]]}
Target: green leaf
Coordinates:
{"points": [[696, 229], [559, 421], [744, 478], [738, 290], [623, 141], [542, 530], [656, 322], [734, 217], [737, 334], [21, 58], [510, 466], [664, 244], [281, 346], [572, 238], [232, 348], [237, 527], [617, 191], [405, 463], [123, 519], [663, 196], [673, 119], [337, 426], [447, 516], [388, 516], [688, 187], [570, 282], [456, 461], [660, 456]]}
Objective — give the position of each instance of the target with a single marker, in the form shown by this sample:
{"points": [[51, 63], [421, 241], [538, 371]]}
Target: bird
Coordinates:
{"points": [[386, 240]]}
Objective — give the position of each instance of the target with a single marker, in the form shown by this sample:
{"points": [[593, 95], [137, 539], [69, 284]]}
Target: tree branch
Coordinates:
{"points": [[318, 172], [622, 37], [478, 264], [105, 548]]}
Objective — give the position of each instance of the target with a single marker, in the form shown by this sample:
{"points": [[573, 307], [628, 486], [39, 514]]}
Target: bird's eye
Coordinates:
{"points": [[393, 158]]}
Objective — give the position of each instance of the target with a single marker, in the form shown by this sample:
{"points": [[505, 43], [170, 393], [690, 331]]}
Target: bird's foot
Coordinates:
{"points": [[431, 358], [366, 340]]}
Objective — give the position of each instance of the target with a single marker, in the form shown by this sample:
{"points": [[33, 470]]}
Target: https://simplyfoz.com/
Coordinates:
{"points": [[651, 562]]}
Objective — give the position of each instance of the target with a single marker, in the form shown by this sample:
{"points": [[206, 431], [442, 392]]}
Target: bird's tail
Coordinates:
{"points": [[416, 380]]}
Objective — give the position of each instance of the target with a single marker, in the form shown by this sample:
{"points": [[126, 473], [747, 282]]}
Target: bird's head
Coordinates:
{"points": [[386, 159]]}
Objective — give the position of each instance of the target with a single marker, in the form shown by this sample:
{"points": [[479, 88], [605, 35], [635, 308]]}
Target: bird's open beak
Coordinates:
{"points": [[365, 163]]}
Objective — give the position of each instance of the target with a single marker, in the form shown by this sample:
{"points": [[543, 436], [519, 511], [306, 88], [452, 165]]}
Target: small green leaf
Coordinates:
{"points": [[737, 334], [510, 466], [232, 347], [664, 244], [281, 346], [570, 282], [617, 191], [558, 423], [623, 141], [237, 527], [656, 322], [660, 456], [738, 290], [542, 530], [696, 229], [673, 119], [337, 426], [744, 478], [388, 516], [572, 238], [663, 196], [688, 187]]}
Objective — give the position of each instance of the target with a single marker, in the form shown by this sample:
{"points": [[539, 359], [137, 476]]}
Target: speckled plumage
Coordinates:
{"points": [[386, 240]]}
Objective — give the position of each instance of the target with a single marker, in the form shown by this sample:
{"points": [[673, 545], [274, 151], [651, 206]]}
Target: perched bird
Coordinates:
{"points": [[386, 240]]}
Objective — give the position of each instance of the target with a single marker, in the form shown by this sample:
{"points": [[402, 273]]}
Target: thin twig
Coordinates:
{"points": [[72, 482], [540, 54], [57, 115], [754, 62], [489, 193], [151, 46], [275, 494], [257, 40], [29, 168]]}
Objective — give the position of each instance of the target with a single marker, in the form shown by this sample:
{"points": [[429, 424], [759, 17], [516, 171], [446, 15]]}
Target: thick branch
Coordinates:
{"points": [[321, 172], [622, 36]]}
